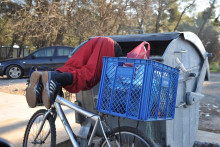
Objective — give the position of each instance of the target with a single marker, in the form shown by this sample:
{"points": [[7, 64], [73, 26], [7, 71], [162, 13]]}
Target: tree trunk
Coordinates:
{"points": [[20, 51], [80, 40], [177, 25], [59, 38], [160, 9], [187, 7], [21, 45], [158, 22], [11, 46], [207, 18]]}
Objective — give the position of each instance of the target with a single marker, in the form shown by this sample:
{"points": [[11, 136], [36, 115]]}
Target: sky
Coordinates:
{"points": [[203, 4]]}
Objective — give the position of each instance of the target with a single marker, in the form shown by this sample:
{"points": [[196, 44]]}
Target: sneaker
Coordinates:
{"points": [[34, 90], [51, 87]]}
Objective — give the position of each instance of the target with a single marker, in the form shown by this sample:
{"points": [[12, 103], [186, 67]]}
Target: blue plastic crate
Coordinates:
{"points": [[137, 89]]}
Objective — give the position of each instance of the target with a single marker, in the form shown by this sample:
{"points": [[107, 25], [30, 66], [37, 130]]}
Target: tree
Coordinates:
{"points": [[206, 16], [186, 8], [39, 23], [142, 13], [210, 39], [216, 23], [96, 18], [8, 12], [160, 7]]}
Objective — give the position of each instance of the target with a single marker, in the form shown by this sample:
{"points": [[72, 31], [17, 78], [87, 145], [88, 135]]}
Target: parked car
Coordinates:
{"points": [[52, 57]]}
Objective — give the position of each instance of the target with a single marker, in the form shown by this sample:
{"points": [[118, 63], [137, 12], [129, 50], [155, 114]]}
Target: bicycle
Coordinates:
{"points": [[120, 136], [45, 132]]}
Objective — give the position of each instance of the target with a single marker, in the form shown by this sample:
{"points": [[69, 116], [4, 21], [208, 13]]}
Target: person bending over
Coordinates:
{"points": [[81, 72]]}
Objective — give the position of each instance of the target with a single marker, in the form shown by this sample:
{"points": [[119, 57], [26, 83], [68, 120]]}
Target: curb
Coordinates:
{"points": [[68, 143], [205, 144]]}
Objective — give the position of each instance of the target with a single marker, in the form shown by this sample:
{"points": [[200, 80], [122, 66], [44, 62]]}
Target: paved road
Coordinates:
{"points": [[4, 81], [14, 116], [14, 113], [210, 105]]}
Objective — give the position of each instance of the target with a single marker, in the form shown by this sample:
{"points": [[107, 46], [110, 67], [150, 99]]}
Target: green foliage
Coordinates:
{"points": [[174, 13], [38, 23], [216, 23], [214, 67], [5, 31]]}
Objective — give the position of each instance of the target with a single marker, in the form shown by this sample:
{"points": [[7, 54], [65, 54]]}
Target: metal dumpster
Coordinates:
{"points": [[173, 49]]}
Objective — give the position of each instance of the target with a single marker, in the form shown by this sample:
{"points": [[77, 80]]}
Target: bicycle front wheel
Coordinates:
{"points": [[126, 137], [47, 136]]}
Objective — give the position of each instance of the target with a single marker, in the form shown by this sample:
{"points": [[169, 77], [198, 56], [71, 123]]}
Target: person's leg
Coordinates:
{"points": [[64, 78], [34, 89], [52, 80], [86, 76]]}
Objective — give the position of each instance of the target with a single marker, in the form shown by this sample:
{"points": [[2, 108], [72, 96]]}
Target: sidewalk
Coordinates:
{"points": [[207, 138], [15, 113]]}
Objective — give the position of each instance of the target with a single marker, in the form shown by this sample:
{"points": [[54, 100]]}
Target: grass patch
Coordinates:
{"points": [[214, 67]]}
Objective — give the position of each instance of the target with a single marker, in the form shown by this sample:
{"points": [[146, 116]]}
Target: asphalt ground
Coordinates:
{"points": [[210, 105], [15, 113]]}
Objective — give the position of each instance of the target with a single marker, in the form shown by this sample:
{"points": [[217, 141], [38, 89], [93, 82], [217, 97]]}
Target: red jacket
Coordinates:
{"points": [[86, 64]]}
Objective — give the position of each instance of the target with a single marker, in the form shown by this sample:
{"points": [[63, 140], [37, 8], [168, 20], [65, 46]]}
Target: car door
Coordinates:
{"points": [[61, 56], [42, 57]]}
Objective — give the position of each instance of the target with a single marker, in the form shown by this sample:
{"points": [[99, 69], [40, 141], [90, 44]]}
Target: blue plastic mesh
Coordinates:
{"points": [[109, 78], [144, 90], [135, 97], [155, 93], [163, 98], [172, 96]]}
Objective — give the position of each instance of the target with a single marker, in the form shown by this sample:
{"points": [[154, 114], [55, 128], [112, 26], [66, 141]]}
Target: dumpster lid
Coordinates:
{"points": [[146, 37], [188, 36]]}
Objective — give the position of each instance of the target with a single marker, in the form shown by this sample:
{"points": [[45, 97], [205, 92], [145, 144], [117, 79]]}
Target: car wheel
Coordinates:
{"points": [[14, 72]]}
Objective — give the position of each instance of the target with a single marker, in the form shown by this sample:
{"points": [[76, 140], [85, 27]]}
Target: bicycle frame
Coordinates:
{"points": [[98, 120], [62, 101]]}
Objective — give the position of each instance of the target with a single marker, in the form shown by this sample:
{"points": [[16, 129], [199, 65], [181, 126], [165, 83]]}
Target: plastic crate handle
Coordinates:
{"points": [[125, 64]]}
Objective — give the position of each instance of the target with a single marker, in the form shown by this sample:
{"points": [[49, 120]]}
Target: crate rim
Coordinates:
{"points": [[144, 60]]}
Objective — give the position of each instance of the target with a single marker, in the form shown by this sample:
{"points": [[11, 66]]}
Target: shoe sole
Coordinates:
{"points": [[45, 94], [31, 95]]}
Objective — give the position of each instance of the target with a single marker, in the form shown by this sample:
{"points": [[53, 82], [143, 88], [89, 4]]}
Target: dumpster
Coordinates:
{"points": [[182, 50]]}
